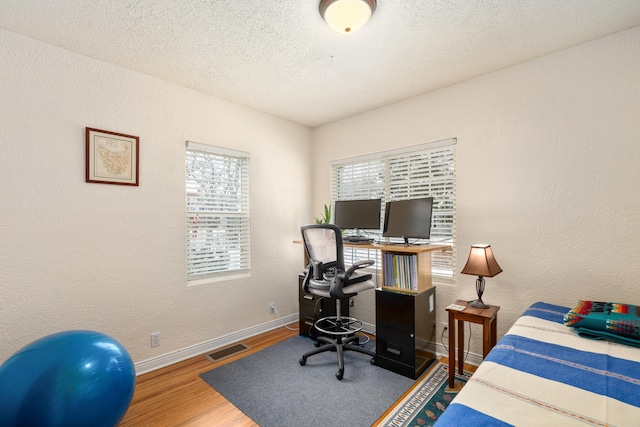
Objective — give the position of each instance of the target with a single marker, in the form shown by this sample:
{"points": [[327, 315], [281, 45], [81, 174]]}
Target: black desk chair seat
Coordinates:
{"points": [[326, 277]]}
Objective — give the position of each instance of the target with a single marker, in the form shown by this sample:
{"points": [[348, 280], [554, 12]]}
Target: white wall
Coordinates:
{"points": [[548, 173], [75, 255]]}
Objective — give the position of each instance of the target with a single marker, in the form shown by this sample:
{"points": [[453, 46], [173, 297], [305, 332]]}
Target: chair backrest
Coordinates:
{"points": [[323, 245]]}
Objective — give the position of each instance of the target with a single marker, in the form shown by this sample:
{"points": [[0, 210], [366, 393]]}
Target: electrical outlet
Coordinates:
{"points": [[155, 339], [272, 308], [444, 329]]}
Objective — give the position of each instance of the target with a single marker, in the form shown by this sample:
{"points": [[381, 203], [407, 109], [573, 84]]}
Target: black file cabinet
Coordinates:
{"points": [[312, 307], [405, 331]]}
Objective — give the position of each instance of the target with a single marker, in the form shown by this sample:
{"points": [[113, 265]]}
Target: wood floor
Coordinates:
{"points": [[176, 396]]}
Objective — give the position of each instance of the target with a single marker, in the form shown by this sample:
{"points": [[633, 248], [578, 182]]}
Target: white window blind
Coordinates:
{"points": [[427, 170], [217, 187]]}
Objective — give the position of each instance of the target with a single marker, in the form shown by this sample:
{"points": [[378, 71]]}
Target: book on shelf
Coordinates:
{"points": [[401, 271]]}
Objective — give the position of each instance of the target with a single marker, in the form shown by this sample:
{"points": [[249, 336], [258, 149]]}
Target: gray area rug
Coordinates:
{"points": [[273, 389]]}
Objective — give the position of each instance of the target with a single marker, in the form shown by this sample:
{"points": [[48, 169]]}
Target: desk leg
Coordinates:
{"points": [[460, 346], [452, 351], [487, 328], [494, 331]]}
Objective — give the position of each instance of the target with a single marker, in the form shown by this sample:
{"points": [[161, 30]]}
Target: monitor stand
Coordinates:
{"points": [[406, 243]]}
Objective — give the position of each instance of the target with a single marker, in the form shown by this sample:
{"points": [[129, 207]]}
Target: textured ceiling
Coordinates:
{"points": [[280, 57]]}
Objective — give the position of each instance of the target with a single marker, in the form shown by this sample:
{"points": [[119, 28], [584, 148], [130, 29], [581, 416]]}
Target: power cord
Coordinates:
{"points": [[442, 339], [277, 313], [360, 342], [468, 342]]}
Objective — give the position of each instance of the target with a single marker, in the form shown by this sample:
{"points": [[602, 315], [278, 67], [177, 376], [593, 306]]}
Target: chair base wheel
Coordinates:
{"points": [[340, 374], [302, 361]]}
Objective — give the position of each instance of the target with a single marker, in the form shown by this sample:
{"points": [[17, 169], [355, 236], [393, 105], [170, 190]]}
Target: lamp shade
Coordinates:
{"points": [[481, 262], [347, 16]]}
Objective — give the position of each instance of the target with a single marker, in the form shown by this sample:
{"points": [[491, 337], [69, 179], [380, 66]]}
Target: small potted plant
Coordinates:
{"points": [[326, 217]]}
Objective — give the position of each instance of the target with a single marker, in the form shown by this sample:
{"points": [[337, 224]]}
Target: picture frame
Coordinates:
{"points": [[112, 157]]}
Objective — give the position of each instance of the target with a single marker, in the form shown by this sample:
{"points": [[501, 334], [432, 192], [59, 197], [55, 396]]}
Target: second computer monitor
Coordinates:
{"points": [[408, 219]]}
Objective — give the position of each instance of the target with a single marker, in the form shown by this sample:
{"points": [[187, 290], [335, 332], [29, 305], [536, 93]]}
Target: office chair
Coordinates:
{"points": [[326, 277]]}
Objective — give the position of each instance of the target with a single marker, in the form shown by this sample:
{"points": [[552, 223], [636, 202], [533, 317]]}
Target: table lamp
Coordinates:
{"points": [[481, 263]]}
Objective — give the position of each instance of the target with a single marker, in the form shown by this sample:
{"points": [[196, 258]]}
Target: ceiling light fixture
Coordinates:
{"points": [[347, 16]]}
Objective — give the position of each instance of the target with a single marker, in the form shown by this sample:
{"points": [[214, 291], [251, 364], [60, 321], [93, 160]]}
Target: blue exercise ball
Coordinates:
{"points": [[72, 378]]}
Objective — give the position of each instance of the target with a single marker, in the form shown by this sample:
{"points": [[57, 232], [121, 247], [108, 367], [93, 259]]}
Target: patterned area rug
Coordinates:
{"points": [[427, 401]]}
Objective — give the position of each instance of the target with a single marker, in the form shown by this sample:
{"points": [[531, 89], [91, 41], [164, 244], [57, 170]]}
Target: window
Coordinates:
{"points": [[217, 186], [418, 171]]}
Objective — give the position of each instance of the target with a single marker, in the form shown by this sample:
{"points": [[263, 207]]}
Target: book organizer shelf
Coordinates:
{"points": [[407, 268]]}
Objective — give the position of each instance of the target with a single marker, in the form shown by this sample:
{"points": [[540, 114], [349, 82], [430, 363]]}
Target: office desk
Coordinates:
{"points": [[422, 254], [405, 318]]}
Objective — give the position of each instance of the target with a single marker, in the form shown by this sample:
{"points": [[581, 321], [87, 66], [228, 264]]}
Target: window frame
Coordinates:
{"points": [[400, 174], [217, 212]]}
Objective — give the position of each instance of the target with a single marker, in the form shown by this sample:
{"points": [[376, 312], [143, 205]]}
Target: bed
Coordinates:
{"points": [[543, 373]]}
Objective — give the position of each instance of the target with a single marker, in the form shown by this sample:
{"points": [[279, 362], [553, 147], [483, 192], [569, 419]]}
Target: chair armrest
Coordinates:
{"points": [[308, 273], [338, 282], [355, 266]]}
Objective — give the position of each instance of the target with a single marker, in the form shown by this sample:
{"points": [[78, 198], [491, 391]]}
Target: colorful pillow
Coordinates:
{"points": [[606, 320]]}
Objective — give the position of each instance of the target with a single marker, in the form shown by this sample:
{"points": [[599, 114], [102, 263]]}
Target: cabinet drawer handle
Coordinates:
{"points": [[395, 349]]}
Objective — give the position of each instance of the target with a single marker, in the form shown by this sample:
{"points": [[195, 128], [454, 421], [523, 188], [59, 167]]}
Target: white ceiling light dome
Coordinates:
{"points": [[347, 16]]}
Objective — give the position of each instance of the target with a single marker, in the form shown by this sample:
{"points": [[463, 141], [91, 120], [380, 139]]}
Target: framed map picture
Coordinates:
{"points": [[112, 158]]}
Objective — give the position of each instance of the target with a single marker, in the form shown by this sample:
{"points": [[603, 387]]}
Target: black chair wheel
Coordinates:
{"points": [[340, 374], [302, 361], [317, 344], [373, 360]]}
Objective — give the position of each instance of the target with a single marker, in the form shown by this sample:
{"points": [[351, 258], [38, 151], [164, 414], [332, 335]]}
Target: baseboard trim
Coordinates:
{"points": [[167, 359], [369, 328], [471, 359]]}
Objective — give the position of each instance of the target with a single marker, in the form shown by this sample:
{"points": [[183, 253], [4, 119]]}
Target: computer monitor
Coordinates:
{"points": [[408, 219], [357, 215]]}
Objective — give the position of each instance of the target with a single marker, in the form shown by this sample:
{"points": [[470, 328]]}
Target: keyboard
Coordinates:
{"points": [[361, 241]]}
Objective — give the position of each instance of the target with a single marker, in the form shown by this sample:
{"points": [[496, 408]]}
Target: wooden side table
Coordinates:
{"points": [[487, 317]]}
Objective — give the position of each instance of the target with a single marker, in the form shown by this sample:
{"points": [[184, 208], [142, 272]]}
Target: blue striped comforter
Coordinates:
{"points": [[541, 373]]}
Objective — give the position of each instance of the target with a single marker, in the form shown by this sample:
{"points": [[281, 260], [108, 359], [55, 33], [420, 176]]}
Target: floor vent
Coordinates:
{"points": [[225, 352]]}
